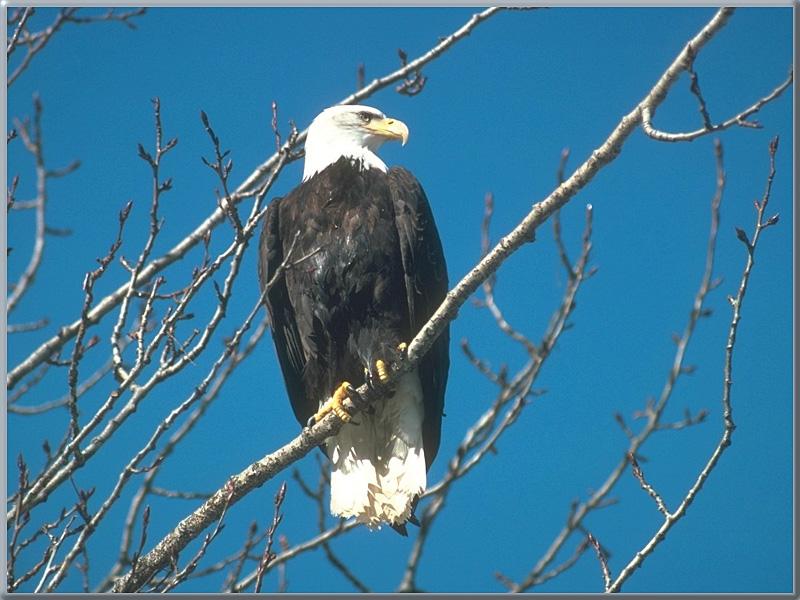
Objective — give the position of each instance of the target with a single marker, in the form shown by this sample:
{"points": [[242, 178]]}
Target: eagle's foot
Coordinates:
{"points": [[402, 348], [335, 404], [378, 378]]}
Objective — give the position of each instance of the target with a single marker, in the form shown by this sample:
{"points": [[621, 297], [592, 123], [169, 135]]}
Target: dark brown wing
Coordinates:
{"points": [[426, 286], [283, 318]]}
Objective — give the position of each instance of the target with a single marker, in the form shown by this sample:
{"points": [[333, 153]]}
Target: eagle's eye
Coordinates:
{"points": [[365, 116]]}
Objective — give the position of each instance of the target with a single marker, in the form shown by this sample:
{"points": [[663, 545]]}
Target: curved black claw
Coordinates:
{"points": [[375, 379], [361, 403], [373, 383], [401, 529], [412, 518]]}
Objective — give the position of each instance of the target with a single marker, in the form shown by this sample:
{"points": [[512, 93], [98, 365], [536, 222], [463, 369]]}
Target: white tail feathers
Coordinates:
{"points": [[379, 465]]}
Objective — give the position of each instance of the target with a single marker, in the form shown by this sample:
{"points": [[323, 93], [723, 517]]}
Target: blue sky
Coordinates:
{"points": [[494, 117]]}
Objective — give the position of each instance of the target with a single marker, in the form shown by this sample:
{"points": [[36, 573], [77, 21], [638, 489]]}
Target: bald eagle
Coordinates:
{"points": [[371, 274]]}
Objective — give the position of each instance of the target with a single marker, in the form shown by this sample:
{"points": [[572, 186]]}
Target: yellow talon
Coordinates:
{"points": [[335, 405], [380, 367]]}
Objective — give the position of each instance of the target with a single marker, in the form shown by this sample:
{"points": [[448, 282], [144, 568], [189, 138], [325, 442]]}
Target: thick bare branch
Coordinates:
{"points": [[184, 573], [740, 120]]}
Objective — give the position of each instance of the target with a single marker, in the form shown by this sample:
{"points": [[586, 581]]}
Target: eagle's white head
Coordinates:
{"points": [[350, 130]]}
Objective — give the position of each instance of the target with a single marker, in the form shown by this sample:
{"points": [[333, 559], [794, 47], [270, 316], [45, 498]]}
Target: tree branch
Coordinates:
{"points": [[727, 412], [36, 42], [32, 138], [654, 411], [12, 43], [741, 119]]}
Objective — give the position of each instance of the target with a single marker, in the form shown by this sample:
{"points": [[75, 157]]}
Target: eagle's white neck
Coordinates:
{"points": [[320, 156], [327, 142]]}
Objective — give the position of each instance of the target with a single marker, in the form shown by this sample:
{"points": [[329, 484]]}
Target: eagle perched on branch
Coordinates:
{"points": [[373, 272]]}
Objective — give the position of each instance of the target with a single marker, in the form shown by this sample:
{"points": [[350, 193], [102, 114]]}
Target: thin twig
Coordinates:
{"points": [[267, 557], [695, 89], [157, 491], [562, 249], [639, 474], [488, 285], [601, 557], [79, 348], [727, 411], [223, 170], [35, 42], [159, 187], [340, 529], [27, 327], [12, 43], [240, 557], [653, 413], [498, 378], [31, 135]]}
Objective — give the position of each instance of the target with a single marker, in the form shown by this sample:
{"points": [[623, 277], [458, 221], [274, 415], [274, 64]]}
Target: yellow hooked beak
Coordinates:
{"points": [[389, 128]]}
